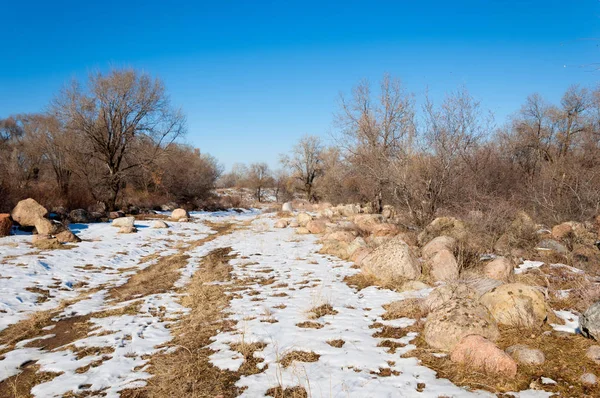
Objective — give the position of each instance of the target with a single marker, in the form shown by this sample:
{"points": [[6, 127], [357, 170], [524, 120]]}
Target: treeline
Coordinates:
{"points": [[105, 145], [450, 158]]}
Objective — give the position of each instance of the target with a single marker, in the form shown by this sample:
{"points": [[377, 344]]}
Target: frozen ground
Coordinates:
{"points": [[272, 313]]}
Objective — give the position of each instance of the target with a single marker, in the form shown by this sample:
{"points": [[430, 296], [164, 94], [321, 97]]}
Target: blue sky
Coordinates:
{"points": [[254, 76]]}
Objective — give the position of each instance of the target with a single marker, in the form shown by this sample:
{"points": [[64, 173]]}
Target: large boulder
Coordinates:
{"points": [[448, 226], [550, 244], [316, 226], [385, 229], [127, 229], [593, 353], [282, 223], [481, 355], [67, 236], [481, 285], [443, 266], [335, 248], [159, 224], [589, 322], [5, 224], [342, 236], [447, 325], [287, 206], [179, 214], [27, 212], [526, 355], [79, 216], [123, 222], [303, 219], [500, 268], [43, 226], [302, 231], [393, 260], [516, 304], [368, 222], [445, 293], [437, 244]]}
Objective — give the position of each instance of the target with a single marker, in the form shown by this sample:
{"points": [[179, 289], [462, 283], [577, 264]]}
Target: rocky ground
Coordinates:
{"points": [[318, 302]]}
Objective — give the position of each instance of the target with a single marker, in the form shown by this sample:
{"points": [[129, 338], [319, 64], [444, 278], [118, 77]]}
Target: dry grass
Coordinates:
{"points": [[20, 385], [290, 392], [565, 363], [322, 310], [409, 308], [298, 356], [338, 343], [187, 371], [309, 325], [157, 278]]}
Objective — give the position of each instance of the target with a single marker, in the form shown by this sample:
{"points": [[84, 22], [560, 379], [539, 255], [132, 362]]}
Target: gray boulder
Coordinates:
{"points": [[526, 355], [123, 222], [589, 322], [79, 216]]}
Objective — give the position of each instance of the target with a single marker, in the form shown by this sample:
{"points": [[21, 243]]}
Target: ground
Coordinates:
{"points": [[225, 305]]}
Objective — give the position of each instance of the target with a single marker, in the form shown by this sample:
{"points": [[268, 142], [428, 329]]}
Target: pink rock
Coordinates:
{"points": [[480, 354]]}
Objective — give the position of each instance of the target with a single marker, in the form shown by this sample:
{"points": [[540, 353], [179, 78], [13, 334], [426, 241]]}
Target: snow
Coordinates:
{"points": [[106, 259], [571, 322], [527, 265]]}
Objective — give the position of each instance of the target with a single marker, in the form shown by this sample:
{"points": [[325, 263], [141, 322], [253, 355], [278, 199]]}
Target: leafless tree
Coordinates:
{"points": [[116, 110], [305, 164], [259, 177]]}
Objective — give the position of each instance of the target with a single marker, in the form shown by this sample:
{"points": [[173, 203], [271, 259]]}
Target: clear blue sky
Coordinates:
{"points": [[254, 76]]}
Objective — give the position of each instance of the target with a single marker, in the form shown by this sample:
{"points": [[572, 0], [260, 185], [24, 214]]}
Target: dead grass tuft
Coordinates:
{"points": [[409, 308], [339, 343], [298, 356], [322, 310], [290, 392], [309, 325]]}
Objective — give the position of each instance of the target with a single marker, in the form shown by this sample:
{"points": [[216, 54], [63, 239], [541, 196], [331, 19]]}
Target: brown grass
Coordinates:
{"points": [[409, 308], [309, 325], [187, 372], [565, 363], [298, 356], [322, 310], [338, 343], [290, 392]]}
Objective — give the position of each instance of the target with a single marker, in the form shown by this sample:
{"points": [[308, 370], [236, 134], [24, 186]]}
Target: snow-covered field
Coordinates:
{"points": [[113, 352]]}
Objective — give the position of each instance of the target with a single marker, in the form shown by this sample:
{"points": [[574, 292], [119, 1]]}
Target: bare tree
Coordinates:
{"points": [[377, 130], [305, 163], [116, 110], [259, 177]]}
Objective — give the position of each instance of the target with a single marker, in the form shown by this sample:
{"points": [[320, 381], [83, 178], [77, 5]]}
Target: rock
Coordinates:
{"points": [[184, 219], [481, 285], [43, 226], [384, 229], [116, 214], [413, 285], [342, 236], [526, 355], [561, 231], [67, 236], [376, 241], [169, 206], [287, 206], [448, 324], [5, 224], [158, 224], [500, 268], [359, 255], [388, 212], [178, 214], [437, 244], [123, 222], [589, 322], [39, 237], [127, 229], [302, 231], [303, 219], [327, 213], [448, 226], [79, 216], [481, 355], [27, 212], [357, 243], [593, 353], [549, 244], [445, 293], [294, 224], [348, 210], [133, 210], [394, 260], [335, 248], [443, 266], [589, 379], [367, 222], [316, 226], [516, 304], [281, 223]]}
